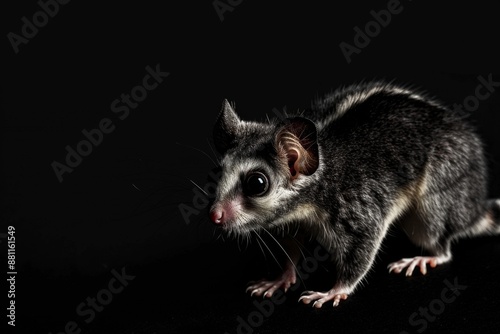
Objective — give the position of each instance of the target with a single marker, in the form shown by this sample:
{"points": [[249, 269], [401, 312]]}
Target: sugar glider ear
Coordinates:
{"points": [[297, 144], [226, 128]]}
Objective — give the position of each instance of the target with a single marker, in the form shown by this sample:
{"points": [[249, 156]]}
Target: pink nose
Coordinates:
{"points": [[217, 216]]}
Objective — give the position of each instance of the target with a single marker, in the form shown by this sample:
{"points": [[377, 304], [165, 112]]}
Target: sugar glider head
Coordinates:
{"points": [[264, 166]]}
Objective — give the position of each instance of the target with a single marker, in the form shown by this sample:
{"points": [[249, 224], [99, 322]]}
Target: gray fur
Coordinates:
{"points": [[386, 154]]}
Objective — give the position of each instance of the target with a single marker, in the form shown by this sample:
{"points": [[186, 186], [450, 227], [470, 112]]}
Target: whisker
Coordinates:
{"points": [[238, 243], [269, 249], [286, 254], [213, 151], [301, 246], [197, 186], [247, 236], [262, 250], [197, 149]]}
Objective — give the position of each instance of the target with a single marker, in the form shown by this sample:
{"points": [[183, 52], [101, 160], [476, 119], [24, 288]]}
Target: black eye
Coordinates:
{"points": [[255, 184]]}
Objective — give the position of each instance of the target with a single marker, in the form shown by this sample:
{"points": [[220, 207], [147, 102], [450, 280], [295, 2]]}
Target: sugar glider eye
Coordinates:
{"points": [[255, 184]]}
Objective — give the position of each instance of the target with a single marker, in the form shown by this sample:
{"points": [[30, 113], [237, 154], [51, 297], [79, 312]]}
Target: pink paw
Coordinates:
{"points": [[319, 298], [267, 288], [420, 261]]}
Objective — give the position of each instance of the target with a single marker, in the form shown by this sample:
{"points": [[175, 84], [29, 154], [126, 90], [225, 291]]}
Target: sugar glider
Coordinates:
{"points": [[359, 160]]}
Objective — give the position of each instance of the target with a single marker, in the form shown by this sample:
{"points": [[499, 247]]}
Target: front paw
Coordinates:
{"points": [[266, 288], [319, 298]]}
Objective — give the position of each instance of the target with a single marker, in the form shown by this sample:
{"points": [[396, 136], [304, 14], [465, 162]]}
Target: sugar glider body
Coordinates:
{"points": [[360, 159]]}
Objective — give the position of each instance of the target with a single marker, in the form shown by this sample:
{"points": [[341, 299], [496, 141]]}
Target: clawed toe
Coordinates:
{"points": [[320, 298], [267, 288], [419, 261]]}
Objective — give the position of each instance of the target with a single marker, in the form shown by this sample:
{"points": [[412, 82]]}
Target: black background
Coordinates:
{"points": [[119, 207]]}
